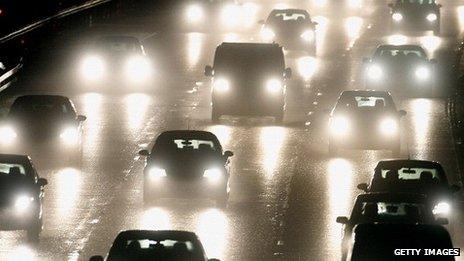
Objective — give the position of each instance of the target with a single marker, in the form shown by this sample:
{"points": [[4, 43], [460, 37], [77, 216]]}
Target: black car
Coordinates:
{"points": [[391, 208], [155, 245], [249, 79], [40, 119], [415, 15], [292, 28], [115, 59], [386, 241], [21, 195], [414, 176], [406, 69], [366, 120], [185, 164]]}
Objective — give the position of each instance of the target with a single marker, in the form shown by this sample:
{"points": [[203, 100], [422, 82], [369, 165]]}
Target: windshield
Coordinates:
{"points": [[417, 2], [40, 108], [401, 54], [251, 62], [167, 249], [12, 169], [186, 145], [359, 103], [287, 16]]}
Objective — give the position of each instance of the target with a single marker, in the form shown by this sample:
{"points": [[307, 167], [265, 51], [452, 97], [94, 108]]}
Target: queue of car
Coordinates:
{"points": [[406, 200]]}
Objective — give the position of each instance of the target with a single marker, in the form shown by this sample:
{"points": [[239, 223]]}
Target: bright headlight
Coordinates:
{"points": [[7, 134], [156, 173], [339, 125], [221, 85], [441, 208], [213, 175], [137, 68], [194, 13], [374, 72], [229, 15], [92, 68], [267, 34], [22, 203], [397, 17], [388, 127], [422, 73], [274, 86], [308, 35], [70, 135], [432, 17]]}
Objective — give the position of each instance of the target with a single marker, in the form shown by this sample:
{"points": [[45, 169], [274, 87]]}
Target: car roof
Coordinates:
{"points": [[42, 97], [376, 196], [158, 234], [291, 10], [14, 158], [238, 45], [408, 163], [365, 93], [187, 134], [401, 47]]}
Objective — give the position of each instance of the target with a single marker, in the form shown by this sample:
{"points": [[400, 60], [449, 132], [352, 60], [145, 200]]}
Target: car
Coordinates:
{"points": [[116, 58], [385, 241], [414, 176], [155, 245], [248, 79], [186, 164], [212, 15], [415, 15], [365, 119], [292, 28], [392, 208], [405, 69], [21, 195], [38, 119]]}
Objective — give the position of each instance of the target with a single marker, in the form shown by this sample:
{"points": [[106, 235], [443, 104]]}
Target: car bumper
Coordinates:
{"points": [[413, 25]]}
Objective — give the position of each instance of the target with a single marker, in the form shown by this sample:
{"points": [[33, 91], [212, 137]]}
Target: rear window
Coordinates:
{"points": [[186, 145], [363, 102], [401, 54], [12, 169], [289, 16], [412, 173], [249, 60]]}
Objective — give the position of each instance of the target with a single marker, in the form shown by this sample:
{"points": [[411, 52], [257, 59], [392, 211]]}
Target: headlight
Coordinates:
{"points": [[274, 86], [267, 34], [213, 175], [70, 135], [22, 203], [156, 173], [422, 73], [194, 13], [441, 208], [92, 68], [339, 125], [388, 127], [221, 85], [397, 17], [230, 15], [374, 72], [7, 134], [137, 68], [432, 17], [308, 36]]}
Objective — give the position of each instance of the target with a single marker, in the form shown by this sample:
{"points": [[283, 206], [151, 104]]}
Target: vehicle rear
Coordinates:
{"points": [[417, 15], [248, 80]]}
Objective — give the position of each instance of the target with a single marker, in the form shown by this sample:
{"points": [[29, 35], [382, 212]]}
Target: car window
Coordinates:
{"points": [[186, 145], [420, 2], [288, 16], [412, 173], [12, 169], [249, 62], [168, 249], [121, 46], [194, 144], [401, 54], [40, 108], [349, 102]]}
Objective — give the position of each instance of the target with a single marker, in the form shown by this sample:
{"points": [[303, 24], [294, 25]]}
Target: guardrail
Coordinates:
{"points": [[7, 74]]}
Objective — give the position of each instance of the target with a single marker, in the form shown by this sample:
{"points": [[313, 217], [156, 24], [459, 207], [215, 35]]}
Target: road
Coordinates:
{"points": [[286, 191]]}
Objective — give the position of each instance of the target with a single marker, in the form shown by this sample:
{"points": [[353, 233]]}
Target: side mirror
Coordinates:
{"points": [[288, 73], [96, 258], [261, 22], [342, 220], [402, 113], [209, 71], [455, 188], [42, 182], [362, 186], [144, 153], [228, 154], [442, 221], [81, 118], [366, 60]]}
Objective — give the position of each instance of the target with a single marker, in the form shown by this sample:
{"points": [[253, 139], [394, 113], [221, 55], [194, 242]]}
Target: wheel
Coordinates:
{"points": [[333, 150], [33, 232], [215, 115]]}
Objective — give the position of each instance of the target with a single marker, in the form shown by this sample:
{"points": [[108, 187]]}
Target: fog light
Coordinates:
{"points": [[339, 126], [388, 127], [156, 173], [221, 85], [422, 73], [432, 17], [397, 17], [274, 86], [442, 208], [23, 203], [213, 175]]}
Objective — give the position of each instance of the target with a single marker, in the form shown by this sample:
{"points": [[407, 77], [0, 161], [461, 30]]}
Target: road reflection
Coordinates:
{"points": [[68, 185], [431, 43], [223, 132], [307, 67], [271, 141], [321, 32], [213, 229], [136, 107], [397, 39], [353, 26], [194, 47], [420, 110], [21, 253], [155, 218]]}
